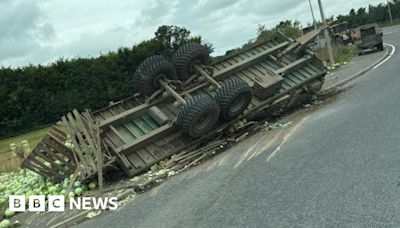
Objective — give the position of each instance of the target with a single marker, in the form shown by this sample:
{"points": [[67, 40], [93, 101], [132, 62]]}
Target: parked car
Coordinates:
{"points": [[370, 38]]}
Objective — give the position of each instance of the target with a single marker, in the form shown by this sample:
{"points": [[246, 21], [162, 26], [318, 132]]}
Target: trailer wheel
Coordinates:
{"points": [[187, 57], [198, 116], [233, 98], [150, 71]]}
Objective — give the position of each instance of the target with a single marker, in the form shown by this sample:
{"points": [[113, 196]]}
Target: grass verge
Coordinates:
{"points": [[341, 53], [8, 161]]}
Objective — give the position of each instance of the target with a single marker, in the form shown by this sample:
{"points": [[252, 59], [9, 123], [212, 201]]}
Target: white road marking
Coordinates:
{"points": [[387, 58], [286, 138], [245, 155]]}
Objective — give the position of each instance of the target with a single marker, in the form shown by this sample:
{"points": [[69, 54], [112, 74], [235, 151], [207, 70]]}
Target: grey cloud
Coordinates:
{"points": [[267, 8], [41, 31], [212, 5], [21, 28]]}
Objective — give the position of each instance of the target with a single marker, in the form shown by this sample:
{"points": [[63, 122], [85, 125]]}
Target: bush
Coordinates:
{"points": [[39, 95]]}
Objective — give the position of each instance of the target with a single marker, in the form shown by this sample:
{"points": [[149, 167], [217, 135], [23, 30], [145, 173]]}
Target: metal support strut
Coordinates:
{"points": [[172, 92], [207, 76]]}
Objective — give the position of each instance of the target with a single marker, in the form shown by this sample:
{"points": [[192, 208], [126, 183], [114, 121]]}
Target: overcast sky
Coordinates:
{"points": [[40, 31]]}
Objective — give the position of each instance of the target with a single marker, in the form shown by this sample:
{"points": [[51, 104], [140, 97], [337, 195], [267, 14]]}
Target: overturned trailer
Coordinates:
{"points": [[184, 102]]}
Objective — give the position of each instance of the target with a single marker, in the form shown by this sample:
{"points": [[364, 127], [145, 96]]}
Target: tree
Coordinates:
{"points": [[33, 96]]}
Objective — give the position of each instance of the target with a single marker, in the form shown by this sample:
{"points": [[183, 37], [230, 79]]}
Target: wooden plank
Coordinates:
{"points": [[57, 144], [145, 155], [57, 133], [51, 161], [59, 148], [33, 167], [41, 166], [243, 51], [65, 122], [219, 75], [88, 158], [88, 139], [112, 128], [294, 65], [126, 165], [95, 133], [146, 139], [46, 146], [122, 117], [99, 159], [73, 133], [72, 181]]}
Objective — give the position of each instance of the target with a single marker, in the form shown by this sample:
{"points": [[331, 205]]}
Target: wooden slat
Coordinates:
{"points": [[131, 113], [156, 134], [30, 165], [45, 146], [294, 65], [73, 129], [51, 161], [112, 128], [219, 75], [99, 159], [41, 166], [65, 122], [88, 139]]}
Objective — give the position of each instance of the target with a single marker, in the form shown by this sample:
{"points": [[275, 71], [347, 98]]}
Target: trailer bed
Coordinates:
{"points": [[139, 141]]}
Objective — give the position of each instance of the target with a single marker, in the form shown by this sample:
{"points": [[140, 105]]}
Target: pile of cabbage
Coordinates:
{"points": [[26, 182]]}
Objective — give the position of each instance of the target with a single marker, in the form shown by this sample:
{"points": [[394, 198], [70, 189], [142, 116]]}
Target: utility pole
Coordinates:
{"points": [[313, 17], [326, 33], [390, 13]]}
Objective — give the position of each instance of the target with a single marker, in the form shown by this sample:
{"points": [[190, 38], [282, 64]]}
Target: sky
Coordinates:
{"points": [[41, 31]]}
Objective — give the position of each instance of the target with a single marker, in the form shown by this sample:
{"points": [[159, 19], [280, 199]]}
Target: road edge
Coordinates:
{"points": [[360, 73], [81, 217]]}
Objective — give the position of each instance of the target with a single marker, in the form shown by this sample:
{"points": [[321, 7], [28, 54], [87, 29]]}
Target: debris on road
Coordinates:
{"points": [[272, 126], [92, 214], [182, 117]]}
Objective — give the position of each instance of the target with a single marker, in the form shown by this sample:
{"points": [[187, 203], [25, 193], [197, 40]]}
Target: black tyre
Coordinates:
{"points": [[381, 47], [198, 116], [187, 57], [150, 71], [233, 98]]}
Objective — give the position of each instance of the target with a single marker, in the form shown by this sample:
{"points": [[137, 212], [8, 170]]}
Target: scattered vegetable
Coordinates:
{"points": [[78, 191], [92, 185], [92, 214], [8, 213], [5, 223]]}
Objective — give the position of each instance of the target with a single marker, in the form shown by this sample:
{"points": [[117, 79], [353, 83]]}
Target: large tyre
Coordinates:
{"points": [[187, 57], [233, 98], [198, 116], [150, 71]]}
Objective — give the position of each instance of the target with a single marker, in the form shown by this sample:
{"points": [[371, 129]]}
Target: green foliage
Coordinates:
{"points": [[373, 14], [38, 95], [288, 28]]}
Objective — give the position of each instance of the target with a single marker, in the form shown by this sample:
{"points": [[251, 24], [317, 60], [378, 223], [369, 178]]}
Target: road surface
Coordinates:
{"points": [[339, 167]]}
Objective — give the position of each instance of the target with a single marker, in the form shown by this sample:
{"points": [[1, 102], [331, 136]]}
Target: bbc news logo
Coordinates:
{"points": [[57, 203]]}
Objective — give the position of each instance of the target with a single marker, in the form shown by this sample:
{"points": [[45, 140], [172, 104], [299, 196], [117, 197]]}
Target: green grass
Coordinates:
{"points": [[32, 137], [341, 53], [346, 53]]}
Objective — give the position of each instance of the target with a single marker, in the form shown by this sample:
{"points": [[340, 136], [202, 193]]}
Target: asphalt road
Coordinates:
{"points": [[339, 168]]}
